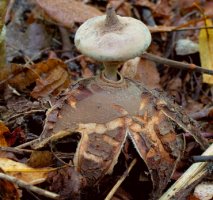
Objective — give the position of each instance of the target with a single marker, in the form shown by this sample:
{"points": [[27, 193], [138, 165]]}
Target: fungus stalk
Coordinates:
{"points": [[111, 70], [112, 40], [112, 23]]}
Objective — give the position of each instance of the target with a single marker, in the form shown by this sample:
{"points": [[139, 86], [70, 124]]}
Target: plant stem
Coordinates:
{"points": [[110, 71], [3, 6], [176, 64], [29, 187]]}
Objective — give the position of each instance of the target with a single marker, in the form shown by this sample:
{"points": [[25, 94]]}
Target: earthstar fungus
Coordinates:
{"points": [[112, 40], [108, 108]]}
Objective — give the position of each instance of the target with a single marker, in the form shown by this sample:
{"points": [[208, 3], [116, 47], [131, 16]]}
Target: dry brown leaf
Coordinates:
{"points": [[67, 12], [193, 106], [84, 62], [50, 76], [56, 80], [8, 191], [142, 70], [3, 130], [24, 172], [146, 3], [21, 77], [161, 9], [67, 182], [40, 159], [122, 8]]}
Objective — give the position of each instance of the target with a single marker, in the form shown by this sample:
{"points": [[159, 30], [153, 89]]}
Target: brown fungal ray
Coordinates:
{"points": [[99, 148], [94, 103], [104, 112], [154, 138], [91, 101]]}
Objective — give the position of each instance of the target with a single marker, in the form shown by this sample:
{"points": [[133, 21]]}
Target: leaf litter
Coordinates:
{"points": [[30, 89]]}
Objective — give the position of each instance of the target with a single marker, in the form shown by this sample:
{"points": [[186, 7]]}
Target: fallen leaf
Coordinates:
{"points": [[8, 190], [192, 197], [206, 50], [3, 131], [67, 182], [162, 9], [57, 79], [40, 159], [86, 71], [29, 43], [67, 12], [142, 70], [17, 134], [122, 8], [50, 76], [193, 106], [23, 171]]}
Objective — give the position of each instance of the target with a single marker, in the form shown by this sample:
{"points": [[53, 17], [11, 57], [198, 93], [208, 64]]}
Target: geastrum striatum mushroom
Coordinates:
{"points": [[108, 108]]}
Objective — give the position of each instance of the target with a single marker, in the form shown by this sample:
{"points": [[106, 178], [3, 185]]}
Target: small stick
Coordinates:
{"points": [[8, 13], [192, 174], [27, 186], [202, 158], [157, 29], [16, 151], [72, 59], [202, 113], [27, 144], [120, 181], [176, 64]]}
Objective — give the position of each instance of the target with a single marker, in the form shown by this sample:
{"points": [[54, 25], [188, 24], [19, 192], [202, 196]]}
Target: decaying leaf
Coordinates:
{"points": [[3, 130], [8, 191], [142, 70], [40, 159], [67, 12], [122, 8], [29, 43], [161, 9], [24, 172], [56, 80], [206, 50], [50, 76], [8, 138], [67, 182]]}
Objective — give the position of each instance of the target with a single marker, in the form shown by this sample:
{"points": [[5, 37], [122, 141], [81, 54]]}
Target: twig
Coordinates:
{"points": [[16, 151], [202, 158], [8, 14], [120, 181], [204, 134], [25, 113], [27, 186], [202, 113], [193, 174], [72, 59], [157, 29], [176, 64], [27, 144]]}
